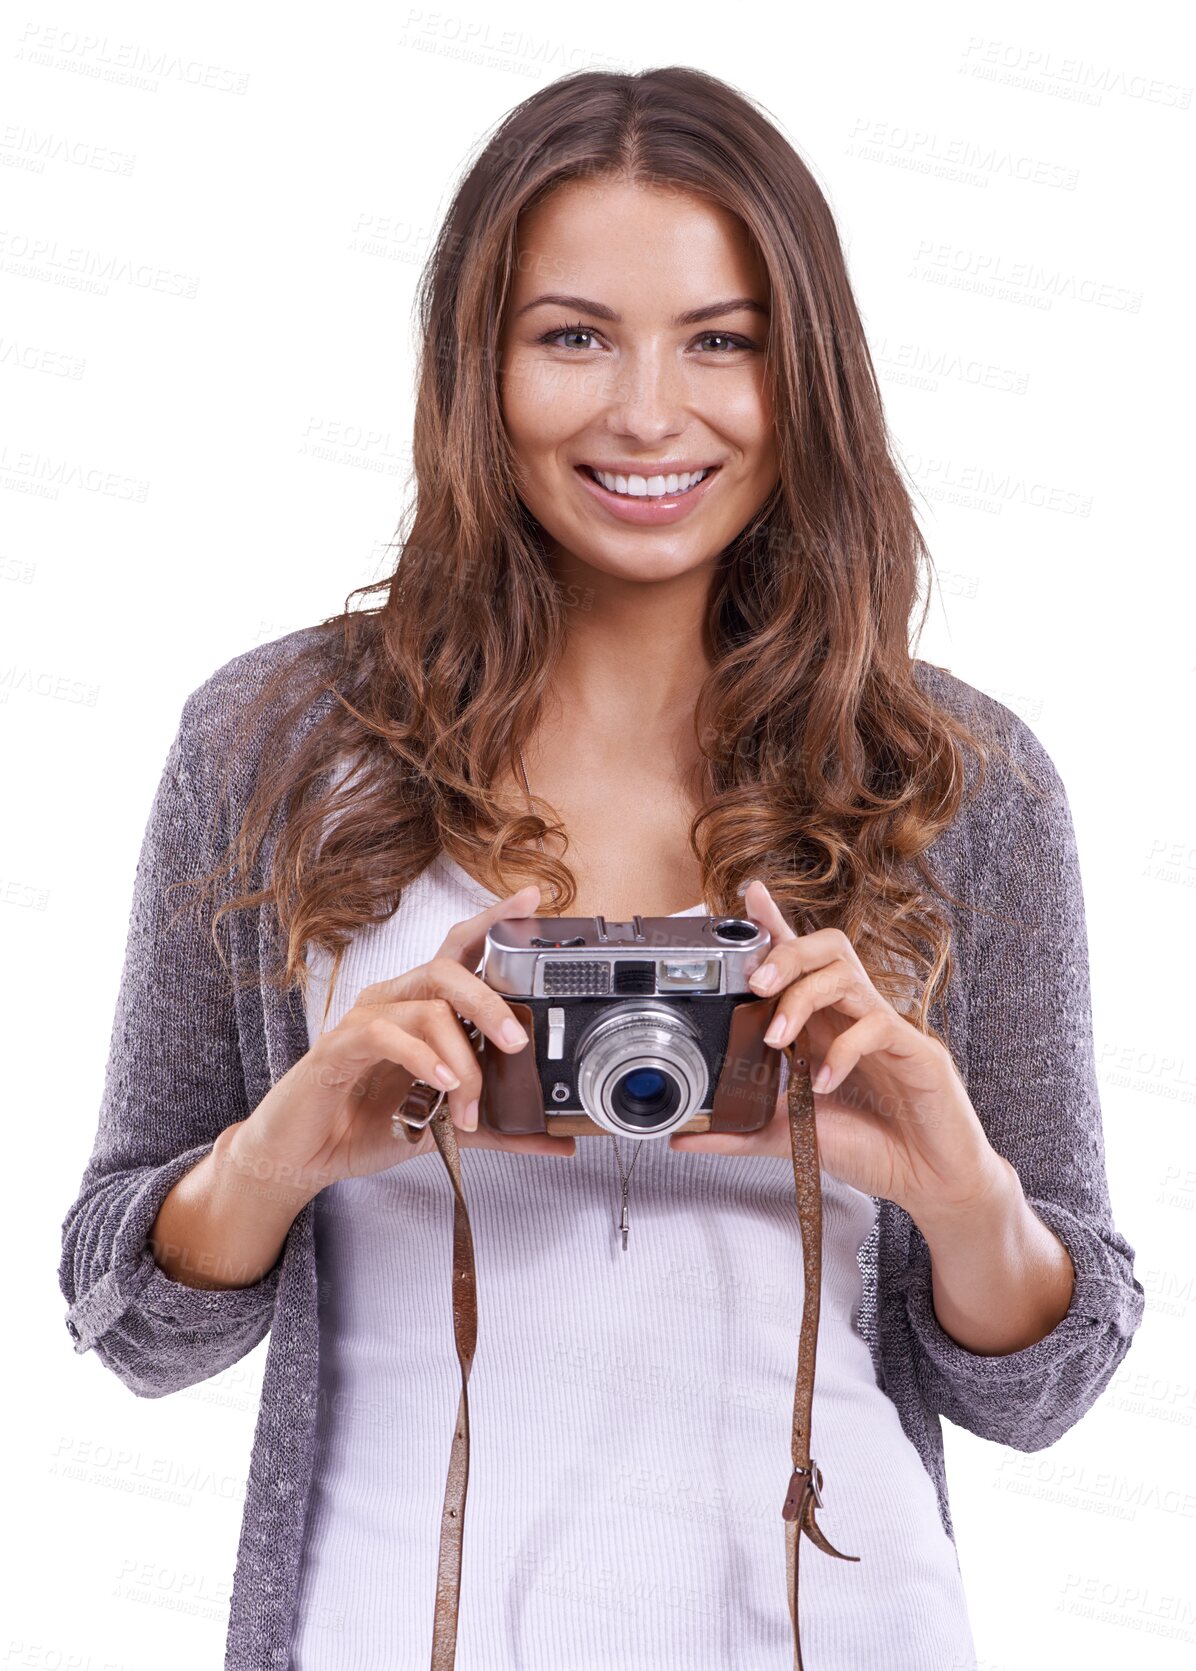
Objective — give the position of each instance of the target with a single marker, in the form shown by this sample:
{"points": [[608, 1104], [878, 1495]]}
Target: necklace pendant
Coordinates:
{"points": [[623, 1224]]}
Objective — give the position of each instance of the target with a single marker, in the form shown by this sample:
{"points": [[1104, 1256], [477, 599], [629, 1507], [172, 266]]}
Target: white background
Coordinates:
{"points": [[185, 475]]}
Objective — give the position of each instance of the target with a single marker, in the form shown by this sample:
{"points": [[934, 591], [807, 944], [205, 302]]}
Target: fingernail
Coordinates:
{"points": [[513, 1033], [764, 978], [777, 1028], [822, 1078], [446, 1076], [471, 1115]]}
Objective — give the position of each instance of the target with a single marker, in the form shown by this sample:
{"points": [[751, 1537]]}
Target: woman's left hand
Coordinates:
{"points": [[892, 1114]]}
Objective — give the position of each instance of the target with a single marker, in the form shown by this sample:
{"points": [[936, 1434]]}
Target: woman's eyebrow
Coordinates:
{"points": [[694, 316]]}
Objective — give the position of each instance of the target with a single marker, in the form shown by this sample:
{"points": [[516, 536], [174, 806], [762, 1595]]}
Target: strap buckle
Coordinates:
{"points": [[406, 1125], [794, 1495]]}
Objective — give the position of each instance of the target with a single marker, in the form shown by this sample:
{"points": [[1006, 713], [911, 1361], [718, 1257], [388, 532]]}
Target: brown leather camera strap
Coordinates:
{"points": [[805, 1483], [804, 1495]]}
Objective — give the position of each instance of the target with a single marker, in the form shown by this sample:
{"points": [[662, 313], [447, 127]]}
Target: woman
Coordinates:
{"points": [[628, 693]]}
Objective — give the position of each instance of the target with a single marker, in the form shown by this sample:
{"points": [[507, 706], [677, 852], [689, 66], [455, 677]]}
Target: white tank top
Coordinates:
{"points": [[630, 1411]]}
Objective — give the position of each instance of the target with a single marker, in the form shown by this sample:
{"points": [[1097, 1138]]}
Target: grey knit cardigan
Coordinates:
{"points": [[188, 1058]]}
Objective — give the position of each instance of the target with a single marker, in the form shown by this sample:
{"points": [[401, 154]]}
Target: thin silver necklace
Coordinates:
{"points": [[624, 1172]]}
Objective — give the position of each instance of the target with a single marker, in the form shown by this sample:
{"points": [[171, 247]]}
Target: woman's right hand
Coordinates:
{"points": [[328, 1117]]}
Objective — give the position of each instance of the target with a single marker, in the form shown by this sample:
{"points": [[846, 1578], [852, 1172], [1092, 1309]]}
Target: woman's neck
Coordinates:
{"points": [[635, 656]]}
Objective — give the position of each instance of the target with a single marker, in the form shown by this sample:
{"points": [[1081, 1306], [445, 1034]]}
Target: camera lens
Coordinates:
{"points": [[641, 1070], [644, 1097]]}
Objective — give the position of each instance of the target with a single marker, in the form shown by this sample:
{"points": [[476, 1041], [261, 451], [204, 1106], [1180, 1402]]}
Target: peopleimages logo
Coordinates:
{"points": [[1099, 1491], [1066, 75], [992, 272]]}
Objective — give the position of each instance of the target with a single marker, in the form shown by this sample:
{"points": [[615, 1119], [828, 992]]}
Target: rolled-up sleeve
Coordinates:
{"points": [[1031, 1077], [173, 1082]]}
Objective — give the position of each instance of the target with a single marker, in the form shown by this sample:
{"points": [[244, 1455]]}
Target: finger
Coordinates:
{"points": [[469, 997], [444, 1032], [350, 1052], [880, 1029], [445, 983], [797, 954], [388, 1085], [835, 985], [461, 951], [764, 910], [440, 1029], [465, 940], [462, 944]]}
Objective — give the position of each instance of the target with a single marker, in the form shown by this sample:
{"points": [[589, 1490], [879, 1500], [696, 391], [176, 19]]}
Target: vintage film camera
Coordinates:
{"points": [[638, 1028]]}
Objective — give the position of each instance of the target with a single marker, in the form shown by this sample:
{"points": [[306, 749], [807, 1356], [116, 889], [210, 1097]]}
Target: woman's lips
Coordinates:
{"points": [[669, 507]]}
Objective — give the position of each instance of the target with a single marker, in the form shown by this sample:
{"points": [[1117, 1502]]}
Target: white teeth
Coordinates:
{"points": [[650, 487]]}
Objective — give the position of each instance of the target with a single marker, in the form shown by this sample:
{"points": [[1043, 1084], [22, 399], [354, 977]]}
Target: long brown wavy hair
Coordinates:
{"points": [[829, 771]]}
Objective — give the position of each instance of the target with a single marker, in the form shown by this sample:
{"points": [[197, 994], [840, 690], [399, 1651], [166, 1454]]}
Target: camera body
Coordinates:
{"points": [[639, 1028]]}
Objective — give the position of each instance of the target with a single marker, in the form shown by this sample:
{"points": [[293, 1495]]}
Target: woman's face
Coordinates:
{"points": [[601, 370]]}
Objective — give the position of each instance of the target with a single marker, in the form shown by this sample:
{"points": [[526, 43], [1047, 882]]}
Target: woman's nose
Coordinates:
{"points": [[647, 392]]}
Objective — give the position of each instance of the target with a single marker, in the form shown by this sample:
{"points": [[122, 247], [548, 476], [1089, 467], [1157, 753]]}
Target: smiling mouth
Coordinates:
{"points": [[648, 487]]}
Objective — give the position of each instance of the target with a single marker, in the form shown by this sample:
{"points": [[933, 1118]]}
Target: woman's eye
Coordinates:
{"points": [[566, 331], [723, 336]]}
